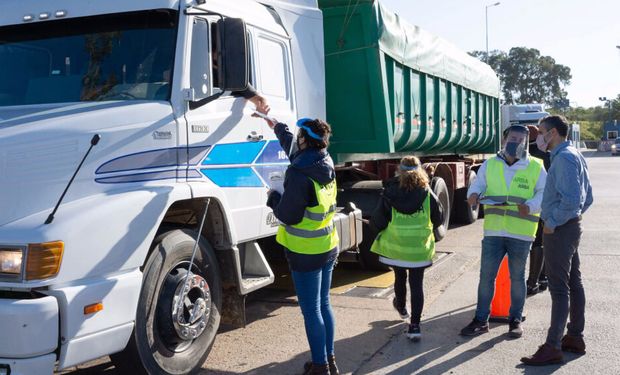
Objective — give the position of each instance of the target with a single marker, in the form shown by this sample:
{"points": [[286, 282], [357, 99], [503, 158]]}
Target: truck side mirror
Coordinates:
{"points": [[235, 73]]}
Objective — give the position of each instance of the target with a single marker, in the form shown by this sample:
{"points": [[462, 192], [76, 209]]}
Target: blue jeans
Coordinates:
{"points": [[313, 295], [493, 251]]}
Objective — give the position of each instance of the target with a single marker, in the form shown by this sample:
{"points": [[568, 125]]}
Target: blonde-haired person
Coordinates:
{"points": [[405, 217]]}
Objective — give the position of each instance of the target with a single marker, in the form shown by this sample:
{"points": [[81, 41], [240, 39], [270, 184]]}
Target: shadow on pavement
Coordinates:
{"points": [[439, 338], [346, 350], [545, 370]]}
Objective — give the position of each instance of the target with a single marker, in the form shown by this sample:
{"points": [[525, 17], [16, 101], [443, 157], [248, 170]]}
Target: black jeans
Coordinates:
{"points": [[416, 285], [567, 294]]}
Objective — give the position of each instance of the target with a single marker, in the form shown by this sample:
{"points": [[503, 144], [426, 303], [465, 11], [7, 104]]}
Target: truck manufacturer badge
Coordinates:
{"points": [[200, 129], [162, 134], [272, 221]]}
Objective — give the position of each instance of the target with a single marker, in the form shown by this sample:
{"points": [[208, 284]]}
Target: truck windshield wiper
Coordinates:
{"points": [[93, 143]]}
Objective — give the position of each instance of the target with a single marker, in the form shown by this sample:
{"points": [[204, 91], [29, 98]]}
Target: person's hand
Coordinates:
{"points": [[548, 230], [261, 104], [524, 209], [273, 199], [473, 200], [271, 124]]}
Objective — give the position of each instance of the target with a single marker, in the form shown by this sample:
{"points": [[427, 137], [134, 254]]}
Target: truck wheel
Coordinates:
{"points": [[368, 259], [439, 187], [464, 212], [167, 340]]}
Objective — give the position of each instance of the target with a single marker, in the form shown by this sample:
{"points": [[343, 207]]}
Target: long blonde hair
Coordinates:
{"points": [[411, 174]]}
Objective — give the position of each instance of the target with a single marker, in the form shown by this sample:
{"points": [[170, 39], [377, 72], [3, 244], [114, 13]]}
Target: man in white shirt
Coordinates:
{"points": [[511, 186]]}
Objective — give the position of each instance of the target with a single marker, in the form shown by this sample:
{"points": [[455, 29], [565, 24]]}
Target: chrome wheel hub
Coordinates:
{"points": [[191, 307]]}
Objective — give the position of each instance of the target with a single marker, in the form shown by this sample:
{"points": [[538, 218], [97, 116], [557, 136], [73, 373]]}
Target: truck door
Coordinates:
{"points": [[273, 79], [223, 139]]}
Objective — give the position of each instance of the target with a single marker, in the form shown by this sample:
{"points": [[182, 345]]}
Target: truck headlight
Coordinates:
{"points": [[11, 262], [36, 262]]}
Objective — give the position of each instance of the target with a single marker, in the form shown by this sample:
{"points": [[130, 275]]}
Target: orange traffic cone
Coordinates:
{"points": [[500, 306]]}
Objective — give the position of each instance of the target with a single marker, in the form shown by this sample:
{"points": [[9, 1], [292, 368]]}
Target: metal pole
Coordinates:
{"points": [[486, 20]]}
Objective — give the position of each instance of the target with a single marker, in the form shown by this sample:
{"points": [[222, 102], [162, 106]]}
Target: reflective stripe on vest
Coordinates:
{"points": [[507, 218], [408, 237], [315, 234], [319, 216], [308, 233]]}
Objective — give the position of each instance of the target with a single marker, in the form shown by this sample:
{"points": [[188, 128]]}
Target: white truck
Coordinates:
{"points": [[131, 101], [522, 114], [530, 114]]}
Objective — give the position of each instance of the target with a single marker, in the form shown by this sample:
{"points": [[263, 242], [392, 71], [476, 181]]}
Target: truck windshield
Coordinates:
{"points": [[126, 56]]}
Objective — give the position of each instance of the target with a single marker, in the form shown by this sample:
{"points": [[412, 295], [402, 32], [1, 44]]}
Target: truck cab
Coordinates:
{"points": [[127, 121]]}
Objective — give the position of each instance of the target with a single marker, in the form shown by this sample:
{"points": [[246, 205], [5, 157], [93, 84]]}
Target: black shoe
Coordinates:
{"points": [[314, 369], [333, 369], [404, 314], [475, 328], [514, 328], [414, 333], [532, 290], [542, 285]]}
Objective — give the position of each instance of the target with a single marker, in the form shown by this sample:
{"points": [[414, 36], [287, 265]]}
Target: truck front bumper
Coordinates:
{"points": [[37, 365], [29, 335]]}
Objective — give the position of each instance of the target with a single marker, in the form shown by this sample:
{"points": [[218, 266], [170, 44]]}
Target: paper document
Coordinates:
{"points": [[276, 182], [490, 202], [268, 118]]}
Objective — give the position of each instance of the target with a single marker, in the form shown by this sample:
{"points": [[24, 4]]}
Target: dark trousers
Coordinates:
{"points": [[567, 294], [416, 286]]}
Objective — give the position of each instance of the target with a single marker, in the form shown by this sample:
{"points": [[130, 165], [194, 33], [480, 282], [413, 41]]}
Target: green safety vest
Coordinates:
{"points": [[315, 234], [408, 237], [507, 218]]}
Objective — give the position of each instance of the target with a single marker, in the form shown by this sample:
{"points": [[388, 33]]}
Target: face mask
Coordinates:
{"points": [[299, 142], [542, 143], [514, 149]]}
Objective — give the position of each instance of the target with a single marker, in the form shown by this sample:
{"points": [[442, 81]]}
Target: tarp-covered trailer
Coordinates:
{"points": [[394, 89]]}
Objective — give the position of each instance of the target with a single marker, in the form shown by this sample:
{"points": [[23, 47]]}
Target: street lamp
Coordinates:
{"points": [[486, 19]]}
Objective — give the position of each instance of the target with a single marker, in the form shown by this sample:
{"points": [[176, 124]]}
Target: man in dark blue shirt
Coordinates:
{"points": [[568, 194]]}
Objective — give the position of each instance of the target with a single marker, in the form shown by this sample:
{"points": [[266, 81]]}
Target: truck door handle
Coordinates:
{"points": [[255, 137]]}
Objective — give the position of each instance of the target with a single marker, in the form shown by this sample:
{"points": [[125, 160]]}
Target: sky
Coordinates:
{"points": [[581, 34]]}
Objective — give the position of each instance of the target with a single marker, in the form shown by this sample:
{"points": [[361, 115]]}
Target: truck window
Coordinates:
{"points": [[125, 56], [273, 65]]}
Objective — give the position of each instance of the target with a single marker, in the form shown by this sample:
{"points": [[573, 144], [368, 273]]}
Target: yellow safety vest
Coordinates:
{"points": [[408, 237], [507, 218], [315, 234]]}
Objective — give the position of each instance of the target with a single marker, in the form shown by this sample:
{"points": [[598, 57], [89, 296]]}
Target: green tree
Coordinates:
{"points": [[527, 76]]}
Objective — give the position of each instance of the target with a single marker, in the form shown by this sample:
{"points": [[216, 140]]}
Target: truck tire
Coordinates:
{"points": [[164, 342], [368, 259], [439, 187], [463, 211]]}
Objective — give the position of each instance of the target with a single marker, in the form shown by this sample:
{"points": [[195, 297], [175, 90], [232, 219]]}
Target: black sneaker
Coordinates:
{"points": [[514, 328], [404, 314], [542, 285], [414, 333], [475, 328]]}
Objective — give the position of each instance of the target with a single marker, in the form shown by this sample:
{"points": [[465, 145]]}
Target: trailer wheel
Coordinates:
{"points": [[465, 214], [439, 187], [167, 340]]}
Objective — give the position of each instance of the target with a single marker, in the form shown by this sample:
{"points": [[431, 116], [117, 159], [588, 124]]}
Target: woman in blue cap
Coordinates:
{"points": [[305, 210]]}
